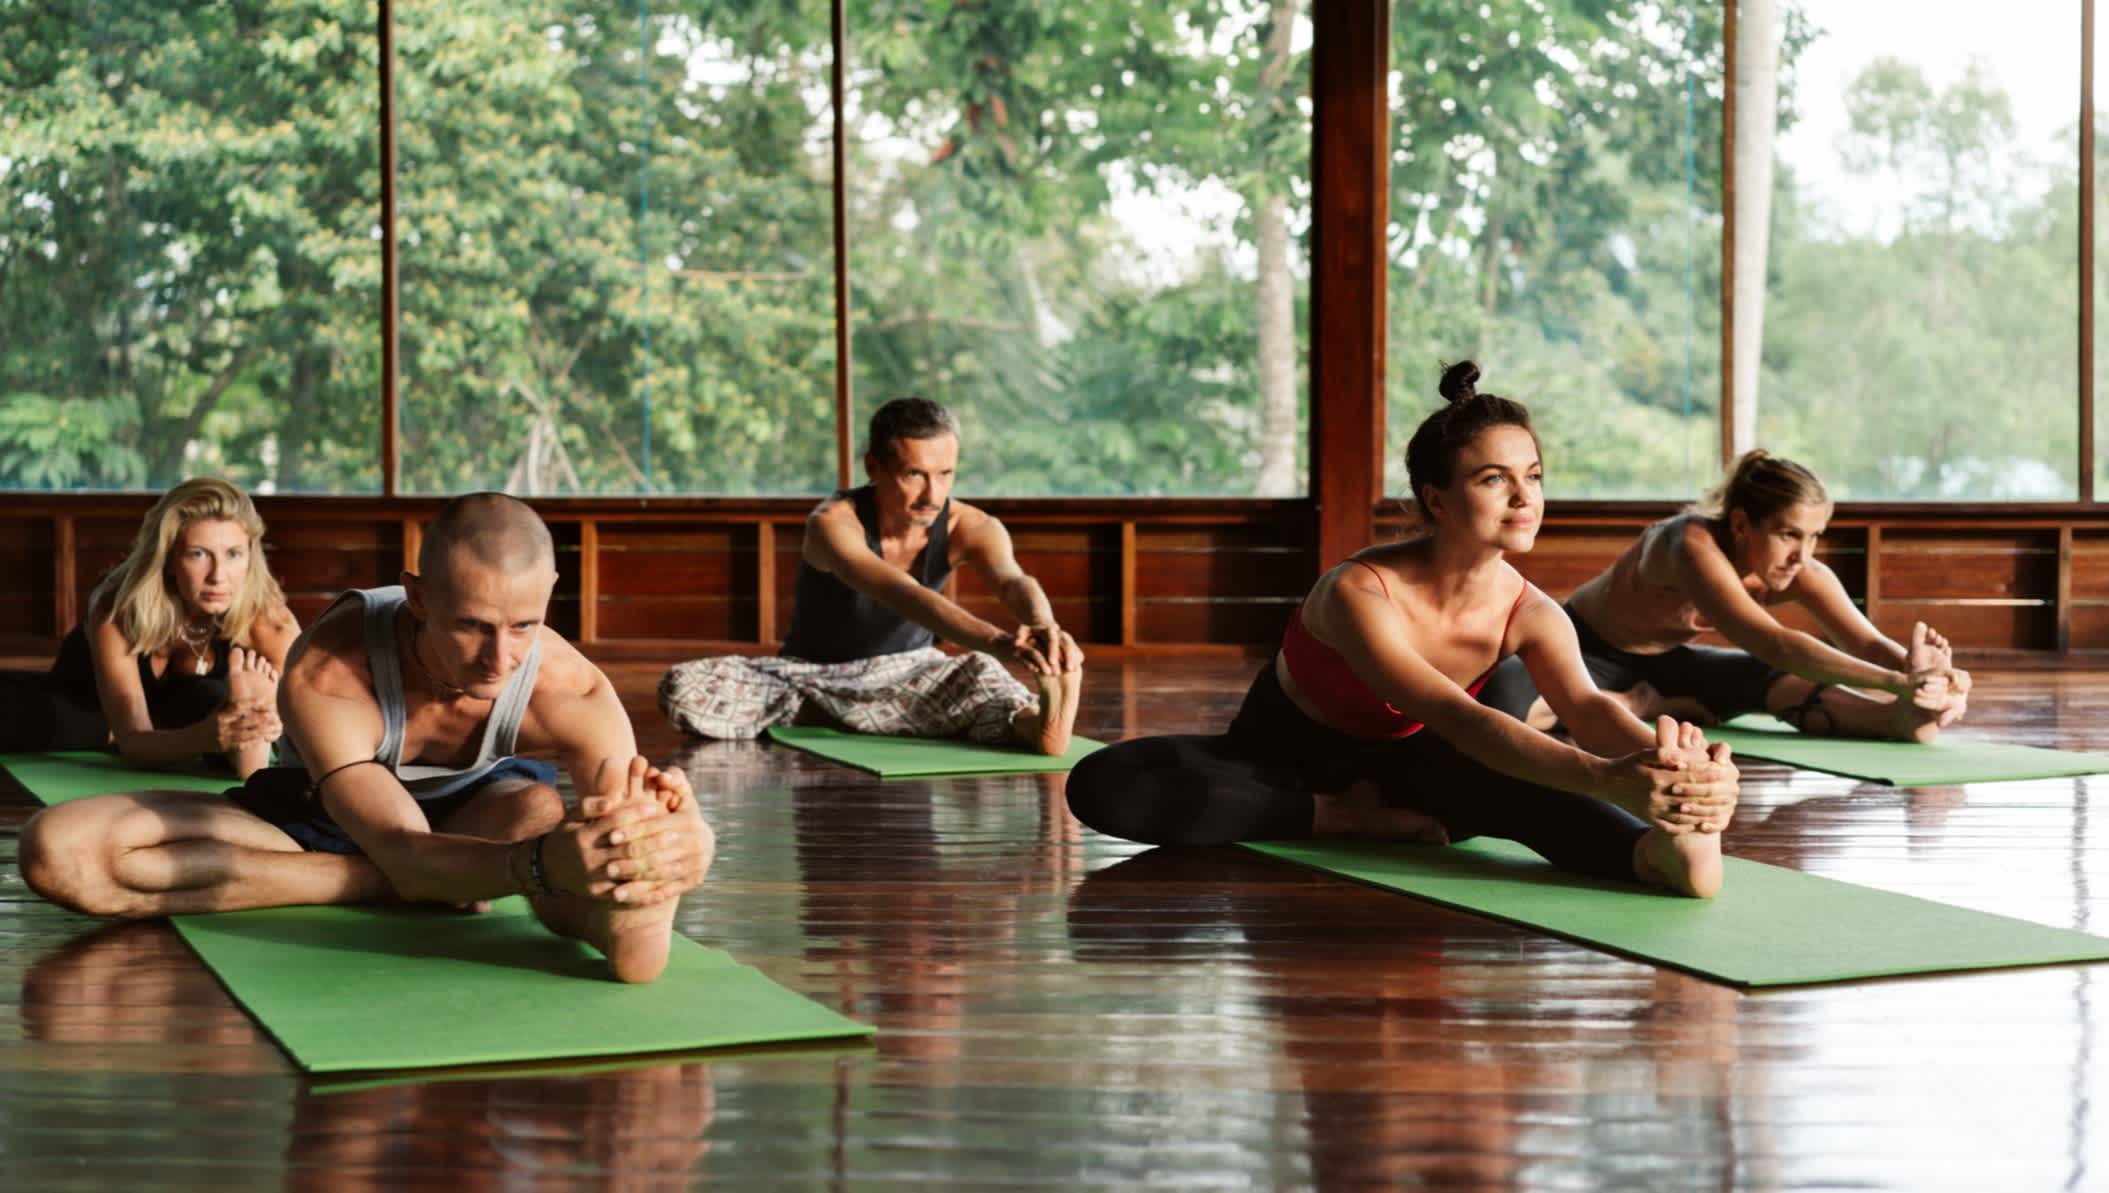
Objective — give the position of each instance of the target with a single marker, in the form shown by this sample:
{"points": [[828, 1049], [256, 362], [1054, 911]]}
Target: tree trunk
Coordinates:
{"points": [[1277, 300], [1757, 119]]}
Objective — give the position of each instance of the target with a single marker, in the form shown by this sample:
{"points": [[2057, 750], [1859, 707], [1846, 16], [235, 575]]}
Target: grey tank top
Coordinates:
{"points": [[423, 780]]}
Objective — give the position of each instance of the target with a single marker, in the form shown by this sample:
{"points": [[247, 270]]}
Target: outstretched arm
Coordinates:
{"points": [[1362, 623], [1928, 659], [1599, 722], [834, 543], [1705, 575], [986, 547]]}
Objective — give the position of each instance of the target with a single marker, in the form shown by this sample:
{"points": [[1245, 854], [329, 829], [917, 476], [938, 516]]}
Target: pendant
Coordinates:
{"points": [[204, 665]]}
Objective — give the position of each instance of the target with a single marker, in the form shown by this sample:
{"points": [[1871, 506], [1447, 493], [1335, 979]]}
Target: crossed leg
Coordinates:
{"points": [[162, 853]]}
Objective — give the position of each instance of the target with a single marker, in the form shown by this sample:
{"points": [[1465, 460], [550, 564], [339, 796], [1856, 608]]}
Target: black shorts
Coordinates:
{"points": [[283, 796]]}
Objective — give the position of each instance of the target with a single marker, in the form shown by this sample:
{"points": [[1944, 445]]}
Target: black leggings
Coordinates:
{"points": [[1255, 783], [1727, 681]]}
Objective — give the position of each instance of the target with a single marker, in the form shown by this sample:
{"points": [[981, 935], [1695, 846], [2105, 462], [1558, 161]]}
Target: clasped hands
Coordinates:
{"points": [[638, 839], [1682, 784], [1045, 649]]}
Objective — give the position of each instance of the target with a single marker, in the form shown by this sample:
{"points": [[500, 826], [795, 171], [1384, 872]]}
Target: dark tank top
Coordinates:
{"points": [[73, 673], [834, 623]]}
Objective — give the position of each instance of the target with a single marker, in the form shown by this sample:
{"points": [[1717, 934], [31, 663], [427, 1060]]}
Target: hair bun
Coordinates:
{"points": [[1460, 382]]}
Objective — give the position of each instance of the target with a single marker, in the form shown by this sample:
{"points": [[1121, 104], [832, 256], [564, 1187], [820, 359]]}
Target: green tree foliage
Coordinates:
{"points": [[1926, 348], [1555, 183], [616, 258], [187, 265]]}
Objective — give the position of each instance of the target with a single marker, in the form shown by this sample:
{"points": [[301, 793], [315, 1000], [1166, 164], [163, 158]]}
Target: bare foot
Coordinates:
{"points": [[1919, 716], [1360, 811], [251, 678], [658, 859], [1688, 863], [1046, 728]]}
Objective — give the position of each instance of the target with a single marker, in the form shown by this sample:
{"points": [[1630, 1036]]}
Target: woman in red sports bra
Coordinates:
{"points": [[1365, 724]]}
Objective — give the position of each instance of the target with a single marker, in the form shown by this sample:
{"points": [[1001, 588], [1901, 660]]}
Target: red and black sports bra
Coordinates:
{"points": [[1322, 674]]}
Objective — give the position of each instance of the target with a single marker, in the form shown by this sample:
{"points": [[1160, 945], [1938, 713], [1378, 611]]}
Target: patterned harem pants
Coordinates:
{"points": [[916, 693]]}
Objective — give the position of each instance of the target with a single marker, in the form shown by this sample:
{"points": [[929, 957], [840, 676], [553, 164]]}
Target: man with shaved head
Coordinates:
{"points": [[403, 707]]}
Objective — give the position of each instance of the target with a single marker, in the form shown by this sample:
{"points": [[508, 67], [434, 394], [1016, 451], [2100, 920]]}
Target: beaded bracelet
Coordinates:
{"points": [[534, 866]]}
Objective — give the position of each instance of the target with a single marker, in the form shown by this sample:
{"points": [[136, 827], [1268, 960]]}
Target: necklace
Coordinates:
{"points": [[200, 644], [439, 688]]}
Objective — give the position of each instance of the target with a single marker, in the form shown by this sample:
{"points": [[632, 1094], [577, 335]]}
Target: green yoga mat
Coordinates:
{"points": [[1903, 764], [346, 989], [356, 989], [924, 757], [77, 774], [1769, 926]]}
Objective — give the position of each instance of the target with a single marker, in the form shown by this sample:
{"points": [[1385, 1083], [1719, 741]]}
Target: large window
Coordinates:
{"points": [[1555, 216], [1082, 227], [189, 263], [1920, 318], [617, 273]]}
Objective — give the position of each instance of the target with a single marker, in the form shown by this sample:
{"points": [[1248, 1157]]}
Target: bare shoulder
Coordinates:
{"points": [[332, 655], [968, 527], [564, 673], [275, 630], [1529, 597], [834, 505], [834, 517], [1814, 582], [1671, 546]]}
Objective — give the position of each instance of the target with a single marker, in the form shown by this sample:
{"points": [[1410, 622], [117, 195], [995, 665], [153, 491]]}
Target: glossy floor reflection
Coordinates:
{"points": [[1060, 1010]]}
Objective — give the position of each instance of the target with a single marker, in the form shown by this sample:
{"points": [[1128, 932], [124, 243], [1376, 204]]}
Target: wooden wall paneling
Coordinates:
{"points": [[64, 576], [567, 601], [1565, 558], [790, 552], [1871, 578], [34, 609], [411, 532], [1985, 625], [765, 582], [1986, 564], [589, 582], [1109, 575], [679, 580], [1066, 560], [1128, 624], [1222, 583], [2088, 579], [2064, 597], [684, 575]]}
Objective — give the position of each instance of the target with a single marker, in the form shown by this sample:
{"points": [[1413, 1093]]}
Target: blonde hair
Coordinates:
{"points": [[137, 595], [1761, 485]]}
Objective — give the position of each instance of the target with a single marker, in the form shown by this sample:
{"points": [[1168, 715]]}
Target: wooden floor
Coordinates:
{"points": [[1059, 1010]]}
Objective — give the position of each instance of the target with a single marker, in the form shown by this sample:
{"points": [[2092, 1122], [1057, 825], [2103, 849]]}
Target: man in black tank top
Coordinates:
{"points": [[404, 708], [871, 606]]}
